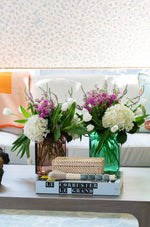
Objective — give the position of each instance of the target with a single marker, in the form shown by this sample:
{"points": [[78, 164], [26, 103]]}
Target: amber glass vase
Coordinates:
{"points": [[46, 151], [110, 151]]}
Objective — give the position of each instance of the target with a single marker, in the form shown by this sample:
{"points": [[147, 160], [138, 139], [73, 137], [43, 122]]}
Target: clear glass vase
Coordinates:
{"points": [[46, 151], [110, 151]]}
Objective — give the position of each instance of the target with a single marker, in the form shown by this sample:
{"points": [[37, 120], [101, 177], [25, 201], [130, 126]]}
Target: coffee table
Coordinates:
{"points": [[18, 192]]}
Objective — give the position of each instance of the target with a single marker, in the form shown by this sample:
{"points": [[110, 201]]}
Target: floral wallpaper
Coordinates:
{"points": [[74, 33]]}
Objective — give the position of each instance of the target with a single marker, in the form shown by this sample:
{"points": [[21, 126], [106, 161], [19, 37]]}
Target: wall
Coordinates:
{"points": [[74, 33]]}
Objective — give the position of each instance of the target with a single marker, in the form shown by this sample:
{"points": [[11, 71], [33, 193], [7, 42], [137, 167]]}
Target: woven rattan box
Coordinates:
{"points": [[79, 165]]}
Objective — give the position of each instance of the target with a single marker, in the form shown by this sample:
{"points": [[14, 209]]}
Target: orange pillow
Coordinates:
{"points": [[12, 86]]}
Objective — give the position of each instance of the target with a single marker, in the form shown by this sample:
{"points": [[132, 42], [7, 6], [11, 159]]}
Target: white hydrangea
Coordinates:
{"points": [[119, 115], [36, 128]]}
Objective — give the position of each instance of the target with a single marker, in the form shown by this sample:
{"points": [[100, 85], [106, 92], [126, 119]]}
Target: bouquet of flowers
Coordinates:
{"points": [[108, 116], [47, 116]]}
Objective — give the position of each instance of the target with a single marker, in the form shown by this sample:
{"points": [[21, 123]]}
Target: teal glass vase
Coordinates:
{"points": [[110, 151]]}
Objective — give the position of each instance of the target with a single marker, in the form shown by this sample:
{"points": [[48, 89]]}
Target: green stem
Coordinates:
{"points": [[100, 144], [17, 115]]}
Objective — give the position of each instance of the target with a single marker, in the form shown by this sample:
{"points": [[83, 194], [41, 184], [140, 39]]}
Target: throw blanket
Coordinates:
{"points": [[12, 86]]}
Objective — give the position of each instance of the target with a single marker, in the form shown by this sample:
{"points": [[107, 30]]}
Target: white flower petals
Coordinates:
{"points": [[119, 115], [87, 117], [143, 101], [90, 127], [64, 106], [36, 128], [114, 128], [70, 101], [7, 111]]}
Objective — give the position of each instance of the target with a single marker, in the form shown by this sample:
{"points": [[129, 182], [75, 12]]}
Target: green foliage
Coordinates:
{"points": [[1, 172], [96, 117], [122, 137], [105, 135], [23, 144], [53, 121], [25, 113], [22, 121], [67, 118]]}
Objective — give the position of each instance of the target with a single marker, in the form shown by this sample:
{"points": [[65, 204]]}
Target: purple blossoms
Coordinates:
{"points": [[44, 107], [100, 98]]}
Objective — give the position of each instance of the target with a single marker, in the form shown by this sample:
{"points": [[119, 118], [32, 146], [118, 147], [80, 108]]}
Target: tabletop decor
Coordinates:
{"points": [[78, 165], [4, 159], [110, 122], [49, 124]]}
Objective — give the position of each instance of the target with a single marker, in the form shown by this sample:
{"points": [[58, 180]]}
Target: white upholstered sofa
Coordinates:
{"points": [[135, 152]]}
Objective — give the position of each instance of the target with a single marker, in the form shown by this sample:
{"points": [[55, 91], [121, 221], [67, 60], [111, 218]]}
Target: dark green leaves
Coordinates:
{"points": [[54, 119], [22, 143], [69, 116], [122, 137], [96, 117]]}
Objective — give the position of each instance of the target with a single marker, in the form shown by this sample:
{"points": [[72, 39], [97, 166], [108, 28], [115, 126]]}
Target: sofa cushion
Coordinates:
{"points": [[13, 130], [86, 81], [17, 82], [60, 87]]}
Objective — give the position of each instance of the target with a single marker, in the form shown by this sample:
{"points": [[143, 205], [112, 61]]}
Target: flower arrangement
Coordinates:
{"points": [[47, 116], [108, 116]]}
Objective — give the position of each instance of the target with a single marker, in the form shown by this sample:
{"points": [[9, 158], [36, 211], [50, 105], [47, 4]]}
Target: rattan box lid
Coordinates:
{"points": [[78, 161], [79, 165]]}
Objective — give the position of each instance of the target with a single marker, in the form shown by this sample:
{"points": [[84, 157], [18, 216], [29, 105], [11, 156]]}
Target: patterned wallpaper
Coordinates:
{"points": [[74, 33]]}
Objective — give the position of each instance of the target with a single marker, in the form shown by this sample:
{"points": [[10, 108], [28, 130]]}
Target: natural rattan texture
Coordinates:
{"points": [[79, 165]]}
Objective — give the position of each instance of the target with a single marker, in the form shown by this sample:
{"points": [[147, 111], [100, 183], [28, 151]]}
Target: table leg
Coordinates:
{"points": [[142, 214]]}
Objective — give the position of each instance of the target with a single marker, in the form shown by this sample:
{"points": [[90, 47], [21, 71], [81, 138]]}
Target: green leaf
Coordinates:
{"points": [[104, 136], [140, 118], [57, 133], [25, 113], [18, 142], [22, 143], [31, 108], [55, 118], [134, 129], [69, 116], [96, 117], [122, 137], [143, 109], [23, 121], [75, 128]]}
